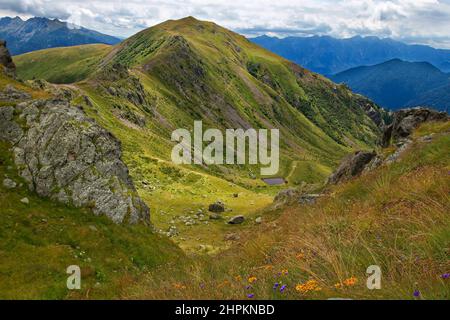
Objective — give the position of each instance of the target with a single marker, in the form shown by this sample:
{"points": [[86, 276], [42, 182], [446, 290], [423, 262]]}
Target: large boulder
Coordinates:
{"points": [[64, 155], [406, 120], [236, 220], [6, 60], [351, 166], [217, 207]]}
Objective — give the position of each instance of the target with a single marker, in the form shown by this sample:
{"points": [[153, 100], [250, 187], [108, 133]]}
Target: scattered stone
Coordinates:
{"points": [[25, 200], [235, 195], [427, 138], [215, 216], [217, 207], [93, 228], [232, 237], [258, 220], [173, 231], [9, 184], [236, 220]]}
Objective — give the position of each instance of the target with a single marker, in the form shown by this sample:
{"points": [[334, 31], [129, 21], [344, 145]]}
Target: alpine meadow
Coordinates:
{"points": [[186, 162]]}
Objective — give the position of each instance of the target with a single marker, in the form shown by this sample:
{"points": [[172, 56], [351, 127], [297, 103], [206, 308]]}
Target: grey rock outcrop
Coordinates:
{"points": [[351, 166], [286, 197], [10, 93], [309, 198], [6, 60], [64, 155], [405, 121]]}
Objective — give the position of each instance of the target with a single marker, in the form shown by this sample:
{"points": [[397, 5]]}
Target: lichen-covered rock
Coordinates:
{"points": [[10, 93], [405, 121], [351, 166], [64, 155], [286, 197]]}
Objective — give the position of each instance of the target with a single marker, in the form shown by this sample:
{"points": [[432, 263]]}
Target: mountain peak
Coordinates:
{"points": [[40, 33]]}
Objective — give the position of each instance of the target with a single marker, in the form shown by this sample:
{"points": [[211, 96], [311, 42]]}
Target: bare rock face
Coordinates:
{"points": [[351, 166], [64, 155], [286, 197], [6, 60], [405, 121]]}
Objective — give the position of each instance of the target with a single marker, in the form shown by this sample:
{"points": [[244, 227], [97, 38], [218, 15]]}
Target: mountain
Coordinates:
{"points": [[328, 55], [395, 84], [71, 151], [42, 33]]}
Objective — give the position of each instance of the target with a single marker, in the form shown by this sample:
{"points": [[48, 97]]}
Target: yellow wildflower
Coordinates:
{"points": [[300, 256], [252, 279], [338, 285], [179, 286], [238, 278], [284, 272], [310, 285], [350, 281]]}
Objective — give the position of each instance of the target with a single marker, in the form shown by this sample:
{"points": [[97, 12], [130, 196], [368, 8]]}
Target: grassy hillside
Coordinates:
{"points": [[60, 65], [39, 240], [395, 217]]}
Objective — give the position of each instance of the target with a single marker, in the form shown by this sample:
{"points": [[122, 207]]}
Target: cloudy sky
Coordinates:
{"points": [[412, 21]]}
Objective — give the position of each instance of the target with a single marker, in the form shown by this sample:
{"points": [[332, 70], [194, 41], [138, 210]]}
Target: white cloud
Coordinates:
{"points": [[413, 21]]}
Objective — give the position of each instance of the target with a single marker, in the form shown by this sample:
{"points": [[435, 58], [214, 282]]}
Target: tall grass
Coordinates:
{"points": [[395, 217]]}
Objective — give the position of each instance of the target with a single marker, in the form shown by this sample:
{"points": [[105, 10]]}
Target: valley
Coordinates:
{"points": [[214, 231], [180, 78]]}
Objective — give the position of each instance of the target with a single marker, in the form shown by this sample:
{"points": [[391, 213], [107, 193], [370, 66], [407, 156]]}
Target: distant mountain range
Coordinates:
{"points": [[328, 56], [395, 84], [42, 33]]}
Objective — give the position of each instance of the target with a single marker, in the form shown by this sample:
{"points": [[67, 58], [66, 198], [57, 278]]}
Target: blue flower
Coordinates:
{"points": [[416, 293], [250, 295], [283, 287], [275, 286]]}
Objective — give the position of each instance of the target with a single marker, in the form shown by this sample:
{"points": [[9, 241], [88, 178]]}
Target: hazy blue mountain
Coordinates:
{"points": [[327, 55], [396, 83], [42, 33]]}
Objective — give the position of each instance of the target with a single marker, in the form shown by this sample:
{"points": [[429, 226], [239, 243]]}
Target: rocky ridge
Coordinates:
{"points": [[66, 156], [397, 134]]}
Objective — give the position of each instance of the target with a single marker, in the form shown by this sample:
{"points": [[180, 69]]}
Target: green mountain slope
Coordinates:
{"points": [[61, 65], [167, 76]]}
